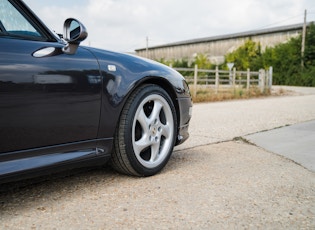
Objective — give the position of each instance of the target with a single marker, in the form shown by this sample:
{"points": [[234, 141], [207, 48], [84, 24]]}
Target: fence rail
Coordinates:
{"points": [[219, 79]]}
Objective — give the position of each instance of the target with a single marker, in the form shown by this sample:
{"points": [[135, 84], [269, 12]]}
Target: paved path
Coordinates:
{"points": [[296, 142]]}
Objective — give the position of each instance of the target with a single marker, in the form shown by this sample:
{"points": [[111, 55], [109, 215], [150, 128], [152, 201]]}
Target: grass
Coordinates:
{"points": [[211, 95]]}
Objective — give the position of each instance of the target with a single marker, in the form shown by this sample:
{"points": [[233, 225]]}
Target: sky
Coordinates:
{"points": [[125, 25]]}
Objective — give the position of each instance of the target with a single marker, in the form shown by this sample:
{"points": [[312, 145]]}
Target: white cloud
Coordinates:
{"points": [[124, 24]]}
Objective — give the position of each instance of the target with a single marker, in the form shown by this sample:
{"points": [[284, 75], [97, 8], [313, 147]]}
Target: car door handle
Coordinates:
{"points": [[44, 52]]}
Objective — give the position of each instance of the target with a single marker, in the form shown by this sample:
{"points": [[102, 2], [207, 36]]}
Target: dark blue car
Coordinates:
{"points": [[64, 106]]}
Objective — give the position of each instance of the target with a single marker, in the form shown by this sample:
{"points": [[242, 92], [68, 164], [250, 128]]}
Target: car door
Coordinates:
{"points": [[47, 98]]}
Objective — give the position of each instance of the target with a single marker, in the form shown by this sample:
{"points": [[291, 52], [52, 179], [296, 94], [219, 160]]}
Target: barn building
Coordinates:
{"points": [[216, 47]]}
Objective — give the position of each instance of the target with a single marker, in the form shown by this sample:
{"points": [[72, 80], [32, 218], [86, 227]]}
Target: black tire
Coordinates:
{"points": [[145, 136]]}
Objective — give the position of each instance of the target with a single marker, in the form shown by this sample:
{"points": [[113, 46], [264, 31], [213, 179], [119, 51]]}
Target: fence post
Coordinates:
{"points": [[216, 79], [248, 79], [270, 77], [234, 76], [262, 77], [195, 80]]}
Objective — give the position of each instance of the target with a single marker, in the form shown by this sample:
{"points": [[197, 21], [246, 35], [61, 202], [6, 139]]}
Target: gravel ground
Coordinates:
{"points": [[211, 182]]}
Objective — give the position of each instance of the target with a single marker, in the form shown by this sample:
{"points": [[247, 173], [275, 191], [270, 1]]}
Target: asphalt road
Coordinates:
{"points": [[216, 180]]}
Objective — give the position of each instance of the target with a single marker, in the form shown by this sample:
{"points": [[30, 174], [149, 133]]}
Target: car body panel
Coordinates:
{"points": [[59, 93], [130, 72], [60, 111]]}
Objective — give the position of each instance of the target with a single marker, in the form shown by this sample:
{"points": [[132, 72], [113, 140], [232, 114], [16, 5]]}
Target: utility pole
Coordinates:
{"points": [[303, 40], [147, 47]]}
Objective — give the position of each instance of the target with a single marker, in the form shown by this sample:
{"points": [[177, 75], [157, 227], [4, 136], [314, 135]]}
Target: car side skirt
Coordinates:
{"points": [[56, 159]]}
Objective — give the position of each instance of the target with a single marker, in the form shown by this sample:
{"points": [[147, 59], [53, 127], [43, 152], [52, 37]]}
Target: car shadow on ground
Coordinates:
{"points": [[23, 193], [26, 194]]}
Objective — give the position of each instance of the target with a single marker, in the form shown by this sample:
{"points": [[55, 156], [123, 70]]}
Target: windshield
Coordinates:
{"points": [[13, 23]]}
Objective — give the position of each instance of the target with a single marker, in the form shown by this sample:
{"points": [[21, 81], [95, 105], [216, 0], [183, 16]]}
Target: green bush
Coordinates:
{"points": [[285, 59]]}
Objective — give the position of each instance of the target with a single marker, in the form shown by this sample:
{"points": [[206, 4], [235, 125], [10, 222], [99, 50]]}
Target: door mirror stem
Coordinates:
{"points": [[74, 33]]}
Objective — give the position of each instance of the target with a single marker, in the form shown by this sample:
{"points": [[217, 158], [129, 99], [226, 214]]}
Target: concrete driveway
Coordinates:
{"points": [[223, 121], [271, 123], [296, 142]]}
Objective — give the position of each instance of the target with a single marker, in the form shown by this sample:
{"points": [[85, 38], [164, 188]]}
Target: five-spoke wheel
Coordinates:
{"points": [[146, 133]]}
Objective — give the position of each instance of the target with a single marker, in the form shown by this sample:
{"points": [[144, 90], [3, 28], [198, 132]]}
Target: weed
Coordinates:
{"points": [[208, 94]]}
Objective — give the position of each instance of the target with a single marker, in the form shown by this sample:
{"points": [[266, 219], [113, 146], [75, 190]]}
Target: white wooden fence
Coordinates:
{"points": [[219, 79]]}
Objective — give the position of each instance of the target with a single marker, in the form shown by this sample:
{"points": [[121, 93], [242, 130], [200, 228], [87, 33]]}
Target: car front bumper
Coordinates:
{"points": [[185, 110]]}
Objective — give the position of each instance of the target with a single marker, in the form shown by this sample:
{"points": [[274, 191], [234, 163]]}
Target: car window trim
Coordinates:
{"points": [[2, 29], [22, 37]]}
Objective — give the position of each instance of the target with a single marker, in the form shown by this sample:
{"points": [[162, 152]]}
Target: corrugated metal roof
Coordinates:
{"points": [[231, 36]]}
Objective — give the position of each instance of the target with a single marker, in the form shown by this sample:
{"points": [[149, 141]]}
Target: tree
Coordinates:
{"points": [[246, 56], [309, 54], [202, 61], [286, 61]]}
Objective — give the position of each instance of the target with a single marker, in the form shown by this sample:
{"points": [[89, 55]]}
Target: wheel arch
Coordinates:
{"points": [[167, 86], [164, 84]]}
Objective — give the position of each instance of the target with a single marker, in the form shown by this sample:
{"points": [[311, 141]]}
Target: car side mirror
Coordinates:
{"points": [[74, 33]]}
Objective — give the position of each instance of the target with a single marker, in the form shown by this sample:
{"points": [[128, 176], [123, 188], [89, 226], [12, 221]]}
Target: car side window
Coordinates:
{"points": [[13, 23]]}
